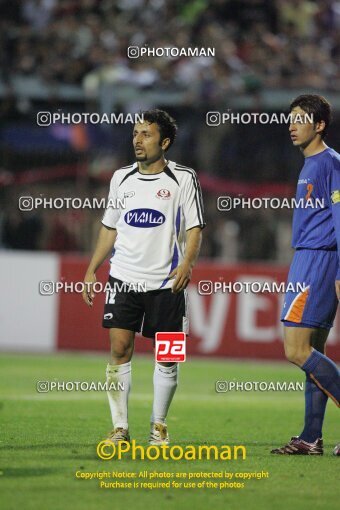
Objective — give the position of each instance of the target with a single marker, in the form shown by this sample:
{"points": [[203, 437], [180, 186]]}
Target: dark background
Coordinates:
{"points": [[71, 56]]}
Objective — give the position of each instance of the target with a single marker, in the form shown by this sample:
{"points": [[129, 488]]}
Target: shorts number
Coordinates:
{"points": [[111, 297]]}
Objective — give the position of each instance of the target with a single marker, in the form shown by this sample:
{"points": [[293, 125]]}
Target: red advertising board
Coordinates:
{"points": [[228, 324]]}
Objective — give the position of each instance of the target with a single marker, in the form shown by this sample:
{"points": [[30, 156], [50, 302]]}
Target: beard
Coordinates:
{"points": [[142, 157]]}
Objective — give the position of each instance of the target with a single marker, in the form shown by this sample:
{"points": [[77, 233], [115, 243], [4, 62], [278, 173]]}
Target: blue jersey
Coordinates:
{"points": [[316, 224]]}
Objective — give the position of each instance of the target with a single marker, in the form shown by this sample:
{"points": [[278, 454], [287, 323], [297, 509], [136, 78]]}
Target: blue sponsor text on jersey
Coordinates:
{"points": [[144, 218]]}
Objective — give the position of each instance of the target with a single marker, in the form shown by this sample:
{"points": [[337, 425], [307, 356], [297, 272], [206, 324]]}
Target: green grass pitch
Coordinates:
{"points": [[46, 438]]}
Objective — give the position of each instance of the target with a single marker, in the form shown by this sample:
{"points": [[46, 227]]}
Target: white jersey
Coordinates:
{"points": [[151, 229]]}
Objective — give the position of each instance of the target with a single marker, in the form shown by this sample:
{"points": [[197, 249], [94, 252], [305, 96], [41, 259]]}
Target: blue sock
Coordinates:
{"points": [[325, 375], [315, 407]]}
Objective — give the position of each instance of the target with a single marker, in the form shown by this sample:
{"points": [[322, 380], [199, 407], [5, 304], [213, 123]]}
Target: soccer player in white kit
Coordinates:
{"points": [[155, 240]]}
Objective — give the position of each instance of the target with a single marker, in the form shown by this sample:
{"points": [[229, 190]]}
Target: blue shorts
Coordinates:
{"points": [[316, 305]]}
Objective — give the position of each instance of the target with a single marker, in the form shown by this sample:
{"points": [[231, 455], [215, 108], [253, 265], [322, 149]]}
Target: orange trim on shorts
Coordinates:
{"points": [[296, 309], [324, 390]]}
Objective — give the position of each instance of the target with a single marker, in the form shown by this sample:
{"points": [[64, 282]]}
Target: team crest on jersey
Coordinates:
{"points": [[144, 218], [129, 194], [164, 194], [335, 196]]}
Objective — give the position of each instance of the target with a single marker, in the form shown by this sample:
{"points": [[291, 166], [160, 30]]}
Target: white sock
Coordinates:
{"points": [[118, 399], [164, 387]]}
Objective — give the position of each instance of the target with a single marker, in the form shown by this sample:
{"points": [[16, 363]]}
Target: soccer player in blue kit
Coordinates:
{"points": [[308, 316]]}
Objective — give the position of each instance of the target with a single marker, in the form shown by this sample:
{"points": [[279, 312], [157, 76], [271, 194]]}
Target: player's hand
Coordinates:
{"points": [[183, 276], [88, 294], [337, 288]]}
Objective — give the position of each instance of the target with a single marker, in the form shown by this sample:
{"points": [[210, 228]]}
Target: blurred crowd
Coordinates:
{"points": [[259, 43], [230, 236]]}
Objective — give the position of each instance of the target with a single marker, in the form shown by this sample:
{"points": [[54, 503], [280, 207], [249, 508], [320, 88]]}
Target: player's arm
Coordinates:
{"points": [[106, 239], [336, 217], [184, 270], [335, 204], [194, 221]]}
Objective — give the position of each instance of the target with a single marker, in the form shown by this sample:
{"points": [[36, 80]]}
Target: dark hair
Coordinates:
{"points": [[166, 124], [316, 105]]}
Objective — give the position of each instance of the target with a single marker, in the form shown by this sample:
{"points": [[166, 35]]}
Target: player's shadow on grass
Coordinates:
{"points": [[24, 472], [80, 457], [70, 446]]}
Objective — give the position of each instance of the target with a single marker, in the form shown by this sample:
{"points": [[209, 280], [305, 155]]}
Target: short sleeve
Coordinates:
{"points": [[111, 214], [335, 201], [193, 203]]}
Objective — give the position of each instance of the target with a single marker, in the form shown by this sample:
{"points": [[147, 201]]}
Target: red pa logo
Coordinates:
{"points": [[170, 347]]}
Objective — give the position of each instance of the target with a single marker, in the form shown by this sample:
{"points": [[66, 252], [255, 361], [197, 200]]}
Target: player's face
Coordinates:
{"points": [[302, 132], [146, 142]]}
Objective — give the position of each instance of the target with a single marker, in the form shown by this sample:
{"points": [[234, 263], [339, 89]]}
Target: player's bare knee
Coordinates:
{"points": [[121, 351], [290, 354], [296, 355]]}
